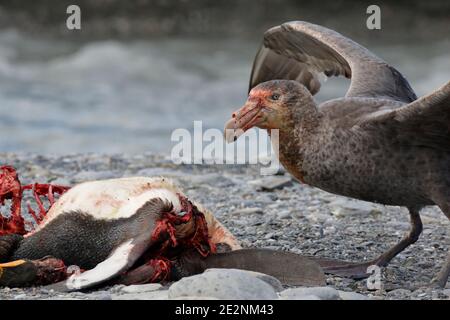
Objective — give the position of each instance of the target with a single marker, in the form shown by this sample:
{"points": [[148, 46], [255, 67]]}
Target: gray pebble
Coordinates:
{"points": [[271, 183], [284, 214], [446, 292], [398, 293], [302, 297], [346, 207], [247, 211], [347, 295], [152, 295], [195, 298], [141, 288], [323, 293]]}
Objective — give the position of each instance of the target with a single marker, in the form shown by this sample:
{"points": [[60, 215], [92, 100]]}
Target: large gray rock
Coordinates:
{"points": [[223, 284], [398, 293], [274, 282], [323, 293], [348, 295], [195, 298], [100, 295], [306, 297], [137, 288], [152, 295]]}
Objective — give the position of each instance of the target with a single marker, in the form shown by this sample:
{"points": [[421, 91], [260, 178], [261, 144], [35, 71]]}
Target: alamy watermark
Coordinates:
{"points": [[375, 278], [73, 21], [209, 147], [374, 20]]}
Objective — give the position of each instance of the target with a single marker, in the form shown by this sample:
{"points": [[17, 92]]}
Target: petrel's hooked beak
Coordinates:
{"points": [[241, 120]]}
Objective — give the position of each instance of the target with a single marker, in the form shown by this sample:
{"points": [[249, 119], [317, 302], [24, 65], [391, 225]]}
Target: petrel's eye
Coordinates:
{"points": [[275, 96]]}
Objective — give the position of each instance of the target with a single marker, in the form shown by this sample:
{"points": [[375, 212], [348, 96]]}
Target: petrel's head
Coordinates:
{"points": [[269, 105]]}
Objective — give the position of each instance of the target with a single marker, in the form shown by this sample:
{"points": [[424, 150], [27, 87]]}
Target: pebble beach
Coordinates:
{"points": [[273, 212]]}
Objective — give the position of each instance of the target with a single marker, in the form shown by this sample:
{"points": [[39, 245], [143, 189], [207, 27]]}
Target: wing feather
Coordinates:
{"points": [[423, 123], [302, 51]]}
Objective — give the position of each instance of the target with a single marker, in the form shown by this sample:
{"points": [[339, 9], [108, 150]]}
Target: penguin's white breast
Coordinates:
{"points": [[113, 199]]}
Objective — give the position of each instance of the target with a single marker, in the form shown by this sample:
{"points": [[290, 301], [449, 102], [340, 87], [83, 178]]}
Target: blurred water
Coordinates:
{"points": [[109, 96]]}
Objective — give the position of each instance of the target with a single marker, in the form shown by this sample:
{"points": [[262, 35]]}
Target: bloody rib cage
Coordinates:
{"points": [[11, 189]]}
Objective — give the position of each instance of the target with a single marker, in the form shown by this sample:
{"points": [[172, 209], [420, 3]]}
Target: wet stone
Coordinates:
{"points": [[284, 214], [141, 288], [274, 282], [347, 207], [398, 293], [323, 293], [446, 292], [271, 183], [223, 284], [101, 295], [346, 295], [247, 211], [152, 295]]}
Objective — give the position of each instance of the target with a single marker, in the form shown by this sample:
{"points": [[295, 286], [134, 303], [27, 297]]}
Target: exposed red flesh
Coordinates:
{"points": [[166, 226], [11, 189], [199, 238], [162, 269]]}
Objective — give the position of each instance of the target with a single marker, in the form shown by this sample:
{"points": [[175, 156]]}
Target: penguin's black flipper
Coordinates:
{"points": [[8, 243]]}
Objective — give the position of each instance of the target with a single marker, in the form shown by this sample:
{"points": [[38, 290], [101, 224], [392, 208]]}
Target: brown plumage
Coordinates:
{"points": [[379, 143]]}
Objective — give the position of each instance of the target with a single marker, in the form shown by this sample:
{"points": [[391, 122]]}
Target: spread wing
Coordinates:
{"points": [[422, 123], [302, 51]]}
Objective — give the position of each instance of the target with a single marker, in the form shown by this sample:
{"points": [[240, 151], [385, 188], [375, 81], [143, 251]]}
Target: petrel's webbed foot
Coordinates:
{"points": [[344, 269], [442, 277], [8, 244], [440, 280], [359, 270]]}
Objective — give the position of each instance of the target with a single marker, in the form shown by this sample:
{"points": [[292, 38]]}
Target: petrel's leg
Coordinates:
{"points": [[410, 238], [359, 270]]}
